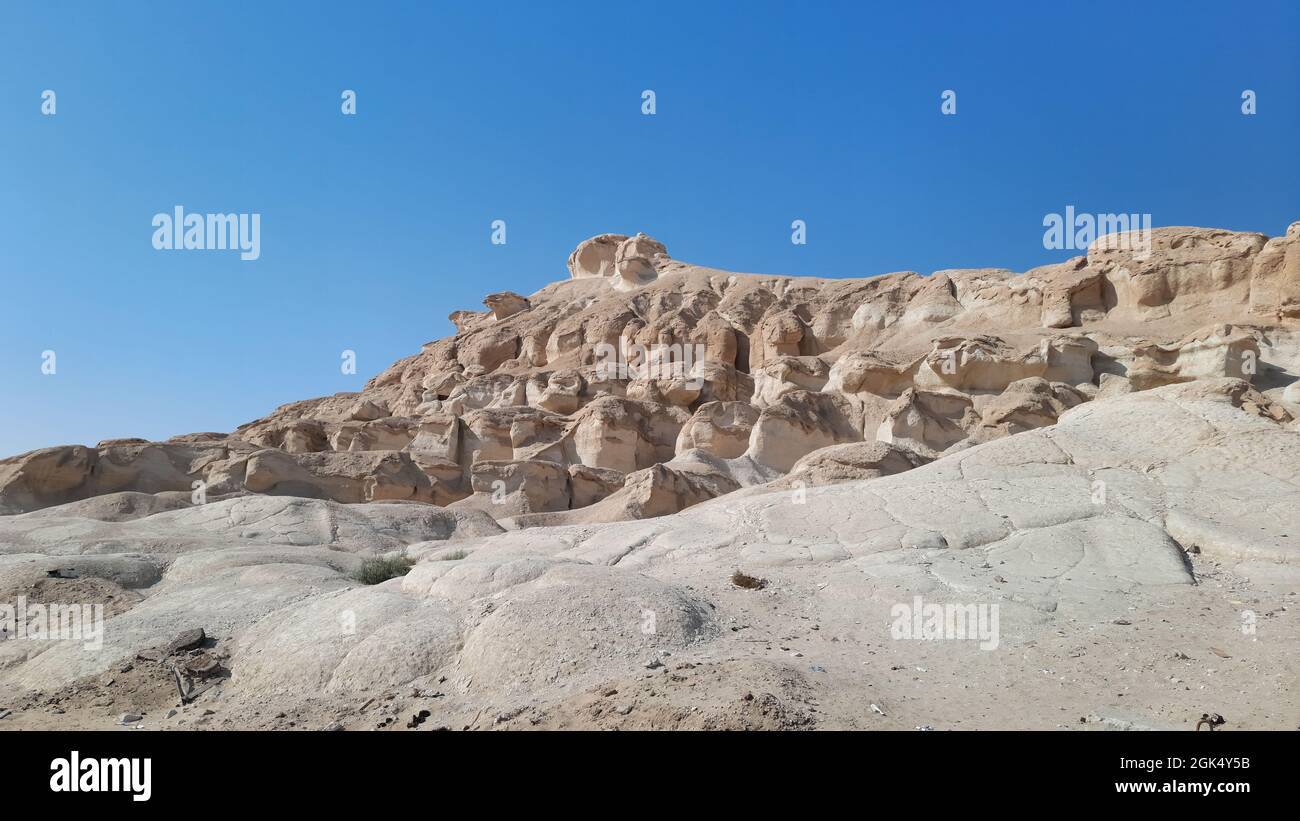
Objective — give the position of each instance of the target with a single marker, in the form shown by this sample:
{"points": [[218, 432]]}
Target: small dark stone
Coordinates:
{"points": [[201, 665], [186, 640], [417, 719]]}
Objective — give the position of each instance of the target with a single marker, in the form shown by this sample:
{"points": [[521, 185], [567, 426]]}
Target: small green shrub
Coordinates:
{"points": [[374, 571]]}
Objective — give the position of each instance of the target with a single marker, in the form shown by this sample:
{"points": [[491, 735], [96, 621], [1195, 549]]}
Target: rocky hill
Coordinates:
{"points": [[662, 495], [642, 384]]}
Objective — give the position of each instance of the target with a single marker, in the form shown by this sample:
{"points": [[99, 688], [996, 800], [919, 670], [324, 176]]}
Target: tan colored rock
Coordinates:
{"points": [[484, 391], [440, 385], [532, 350], [1217, 352], [1275, 277], [625, 435], [722, 383], [936, 302], [718, 338], [541, 435], [1113, 385], [588, 485], [343, 477], [504, 489], [720, 428], [563, 392], [871, 372], [488, 349], [988, 363], [680, 391], [438, 435], [53, 476], [787, 374], [850, 462], [466, 320], [44, 477], [595, 257], [799, 423], [367, 411], [295, 436], [1015, 299], [566, 340], [1179, 270], [781, 334], [505, 304], [929, 422], [1025, 404], [637, 261], [504, 434], [391, 433], [1074, 294], [660, 490]]}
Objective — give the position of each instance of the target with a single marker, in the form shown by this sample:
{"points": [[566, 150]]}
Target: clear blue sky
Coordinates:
{"points": [[375, 227]]}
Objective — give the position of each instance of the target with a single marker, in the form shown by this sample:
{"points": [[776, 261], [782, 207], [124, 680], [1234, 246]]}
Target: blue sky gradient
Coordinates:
{"points": [[375, 227]]}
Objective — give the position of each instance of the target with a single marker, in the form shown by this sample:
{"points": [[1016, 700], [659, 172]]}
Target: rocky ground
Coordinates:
{"points": [[1102, 453]]}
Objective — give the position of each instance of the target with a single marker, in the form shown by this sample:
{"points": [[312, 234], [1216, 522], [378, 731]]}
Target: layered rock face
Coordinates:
{"points": [[1101, 453], [643, 384]]}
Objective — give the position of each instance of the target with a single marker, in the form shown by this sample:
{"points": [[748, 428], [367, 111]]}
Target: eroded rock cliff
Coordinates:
{"points": [[644, 384]]}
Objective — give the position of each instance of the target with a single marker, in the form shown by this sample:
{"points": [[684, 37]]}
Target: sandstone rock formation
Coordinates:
{"points": [[573, 477], [639, 359]]}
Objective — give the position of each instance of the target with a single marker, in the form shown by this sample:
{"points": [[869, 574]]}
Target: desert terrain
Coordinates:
{"points": [[656, 495]]}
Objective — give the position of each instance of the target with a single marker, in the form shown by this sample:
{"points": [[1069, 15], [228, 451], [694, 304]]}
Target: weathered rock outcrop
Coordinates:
{"points": [[593, 387], [574, 479]]}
